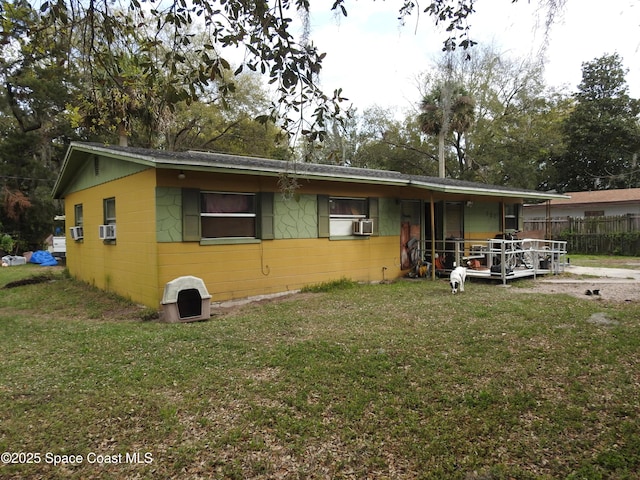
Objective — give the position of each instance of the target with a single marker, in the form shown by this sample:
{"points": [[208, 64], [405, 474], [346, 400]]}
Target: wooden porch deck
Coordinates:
{"points": [[528, 258]]}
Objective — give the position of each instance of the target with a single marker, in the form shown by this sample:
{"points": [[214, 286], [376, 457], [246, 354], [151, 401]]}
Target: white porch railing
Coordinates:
{"points": [[495, 258]]}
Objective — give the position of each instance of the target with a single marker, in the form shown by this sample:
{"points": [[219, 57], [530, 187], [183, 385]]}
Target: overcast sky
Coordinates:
{"points": [[376, 61]]}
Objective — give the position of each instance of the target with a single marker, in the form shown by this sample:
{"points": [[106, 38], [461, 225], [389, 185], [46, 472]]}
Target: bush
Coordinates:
{"points": [[624, 243], [6, 243]]}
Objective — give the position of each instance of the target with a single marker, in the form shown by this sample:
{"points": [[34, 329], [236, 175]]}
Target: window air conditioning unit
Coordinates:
{"points": [[77, 233], [363, 227], [107, 232]]}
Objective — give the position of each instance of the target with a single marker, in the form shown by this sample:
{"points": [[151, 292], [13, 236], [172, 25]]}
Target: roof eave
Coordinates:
{"points": [[74, 147], [303, 171], [488, 191]]}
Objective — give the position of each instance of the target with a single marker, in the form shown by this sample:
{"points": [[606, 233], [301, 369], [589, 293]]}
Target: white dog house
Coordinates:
{"points": [[186, 299]]}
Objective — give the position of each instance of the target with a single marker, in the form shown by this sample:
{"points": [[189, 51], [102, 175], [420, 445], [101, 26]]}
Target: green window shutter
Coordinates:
{"points": [[265, 217], [374, 214], [190, 215], [323, 216]]}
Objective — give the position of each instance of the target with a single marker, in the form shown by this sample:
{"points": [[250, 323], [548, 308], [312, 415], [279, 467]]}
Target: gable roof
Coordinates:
{"points": [[219, 162]]}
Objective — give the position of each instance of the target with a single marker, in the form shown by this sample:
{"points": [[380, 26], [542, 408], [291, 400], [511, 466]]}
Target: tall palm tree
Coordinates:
{"points": [[446, 109]]}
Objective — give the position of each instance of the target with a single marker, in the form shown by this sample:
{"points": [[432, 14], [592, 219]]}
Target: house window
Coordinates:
{"points": [[78, 215], [77, 231], [228, 215], [511, 216], [343, 211], [109, 207]]}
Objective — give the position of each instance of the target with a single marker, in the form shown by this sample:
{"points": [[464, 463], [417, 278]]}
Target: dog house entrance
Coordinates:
{"points": [[186, 299], [189, 303]]}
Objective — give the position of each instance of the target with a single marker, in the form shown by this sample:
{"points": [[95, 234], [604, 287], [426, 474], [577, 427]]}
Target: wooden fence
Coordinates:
{"points": [[619, 235]]}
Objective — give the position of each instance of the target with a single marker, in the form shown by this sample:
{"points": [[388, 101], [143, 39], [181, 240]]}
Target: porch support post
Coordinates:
{"points": [[433, 237], [547, 223]]}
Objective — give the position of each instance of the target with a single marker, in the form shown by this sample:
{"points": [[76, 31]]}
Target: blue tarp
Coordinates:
{"points": [[43, 258]]}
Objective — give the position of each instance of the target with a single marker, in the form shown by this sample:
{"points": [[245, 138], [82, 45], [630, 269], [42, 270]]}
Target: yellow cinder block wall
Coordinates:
{"points": [[273, 266], [137, 267], [129, 266], [232, 271]]}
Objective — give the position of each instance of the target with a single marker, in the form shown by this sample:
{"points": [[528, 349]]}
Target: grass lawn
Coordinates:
{"points": [[605, 261], [393, 381]]}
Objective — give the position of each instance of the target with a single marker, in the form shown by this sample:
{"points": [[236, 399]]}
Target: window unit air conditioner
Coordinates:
{"points": [[363, 227], [77, 233], [107, 232]]}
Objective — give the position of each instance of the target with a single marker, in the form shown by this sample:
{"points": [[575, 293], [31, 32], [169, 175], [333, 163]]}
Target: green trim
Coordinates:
{"points": [[324, 220], [229, 241], [350, 237], [265, 218], [191, 215], [374, 214]]}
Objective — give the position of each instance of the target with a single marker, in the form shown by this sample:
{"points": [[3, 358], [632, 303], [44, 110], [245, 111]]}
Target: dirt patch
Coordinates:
{"points": [[591, 289], [30, 281], [601, 318], [231, 307]]}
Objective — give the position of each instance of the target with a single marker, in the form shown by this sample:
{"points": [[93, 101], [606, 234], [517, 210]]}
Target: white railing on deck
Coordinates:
{"points": [[546, 256]]}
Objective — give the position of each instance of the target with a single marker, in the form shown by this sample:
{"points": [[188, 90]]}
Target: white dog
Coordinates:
{"points": [[457, 278]]}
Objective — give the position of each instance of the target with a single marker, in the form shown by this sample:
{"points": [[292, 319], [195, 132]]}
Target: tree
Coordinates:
{"points": [[33, 127], [264, 29], [514, 134], [375, 138], [399, 145], [26, 207], [447, 110], [602, 132], [201, 126], [517, 133]]}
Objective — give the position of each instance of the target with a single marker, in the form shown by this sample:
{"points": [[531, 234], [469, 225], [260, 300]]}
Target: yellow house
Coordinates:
{"points": [[139, 218]]}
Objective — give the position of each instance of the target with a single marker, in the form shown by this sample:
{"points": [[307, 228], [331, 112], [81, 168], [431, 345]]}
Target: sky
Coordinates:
{"points": [[376, 61]]}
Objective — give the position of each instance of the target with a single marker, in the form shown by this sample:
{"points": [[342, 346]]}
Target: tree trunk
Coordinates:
{"points": [[441, 170], [123, 138]]}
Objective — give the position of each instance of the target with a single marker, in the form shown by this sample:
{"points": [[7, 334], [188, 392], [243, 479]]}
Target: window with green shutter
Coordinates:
{"points": [[227, 215], [336, 215], [211, 215]]}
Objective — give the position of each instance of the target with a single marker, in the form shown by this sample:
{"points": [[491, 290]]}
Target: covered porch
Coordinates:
{"points": [[481, 232], [496, 258]]}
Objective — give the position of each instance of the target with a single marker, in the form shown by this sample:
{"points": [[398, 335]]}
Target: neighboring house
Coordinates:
{"points": [[597, 212], [138, 218], [599, 203]]}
